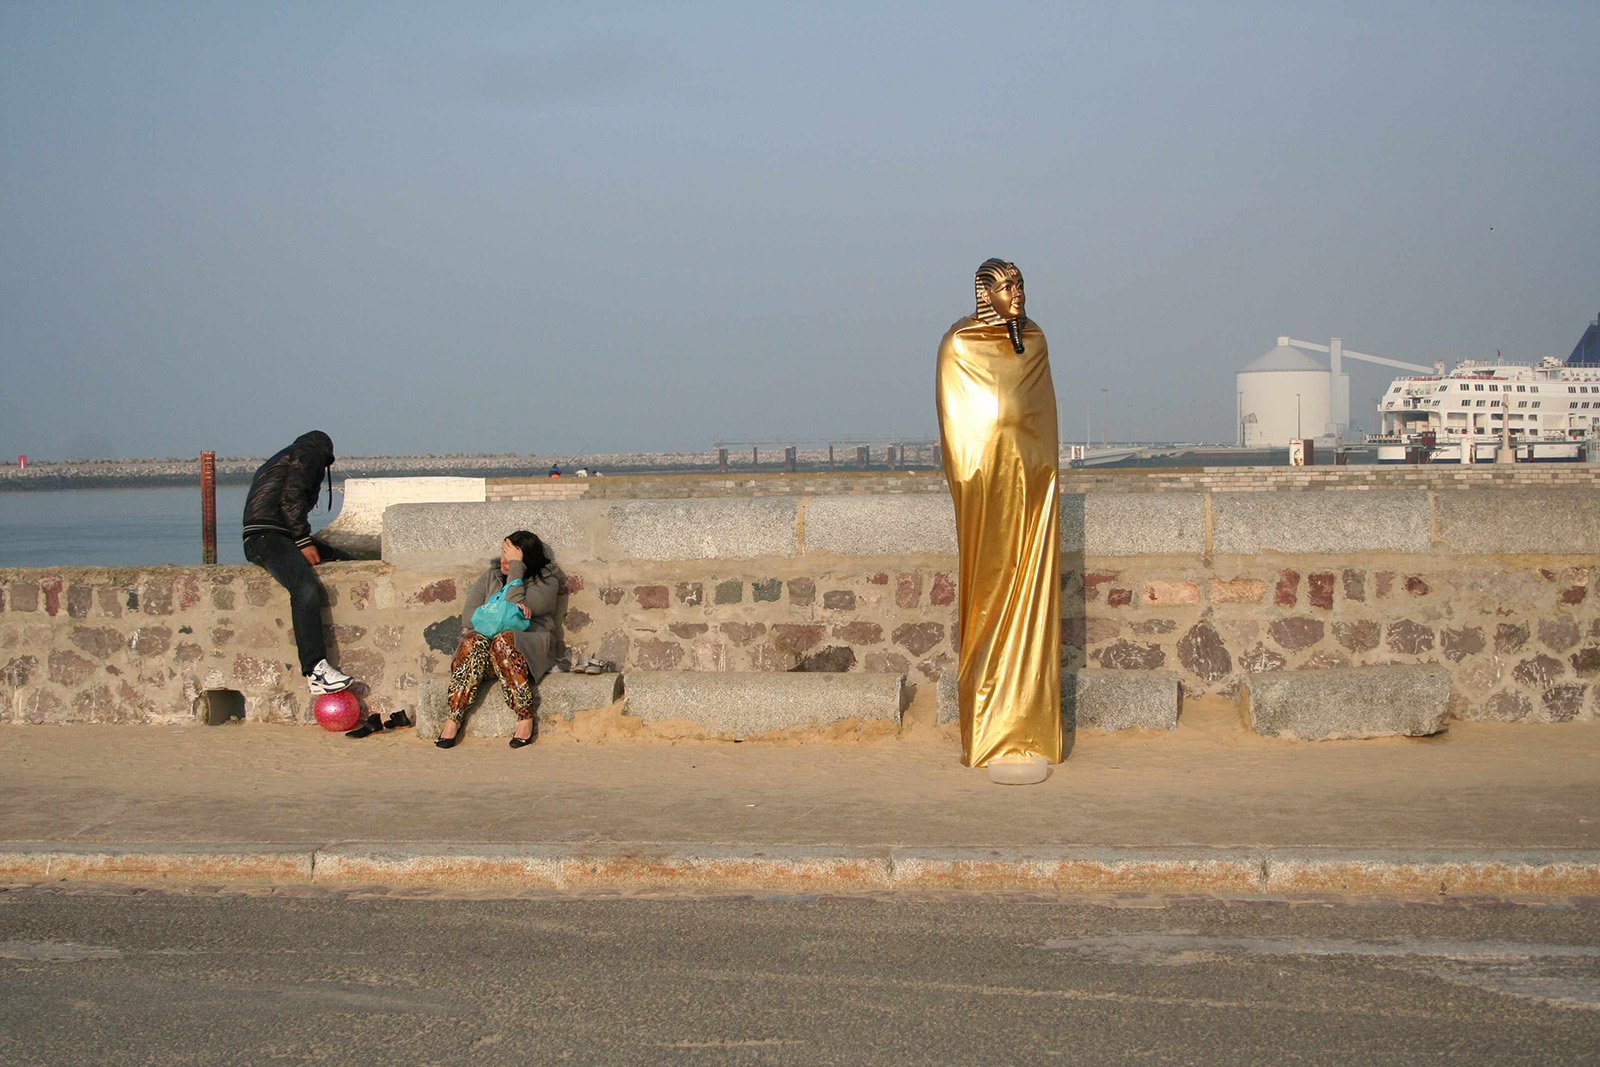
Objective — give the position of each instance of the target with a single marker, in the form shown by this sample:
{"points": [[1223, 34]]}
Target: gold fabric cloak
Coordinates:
{"points": [[997, 426]]}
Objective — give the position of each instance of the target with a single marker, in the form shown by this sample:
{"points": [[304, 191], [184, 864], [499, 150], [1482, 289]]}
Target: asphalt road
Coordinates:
{"points": [[225, 978]]}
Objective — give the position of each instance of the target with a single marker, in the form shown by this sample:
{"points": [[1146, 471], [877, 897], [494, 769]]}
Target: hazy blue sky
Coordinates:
{"points": [[527, 227]]}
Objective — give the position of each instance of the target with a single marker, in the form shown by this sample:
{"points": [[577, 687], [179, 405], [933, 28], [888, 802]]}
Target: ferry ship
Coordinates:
{"points": [[1552, 410]]}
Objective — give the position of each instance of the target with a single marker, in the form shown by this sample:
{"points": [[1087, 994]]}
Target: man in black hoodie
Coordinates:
{"points": [[277, 536]]}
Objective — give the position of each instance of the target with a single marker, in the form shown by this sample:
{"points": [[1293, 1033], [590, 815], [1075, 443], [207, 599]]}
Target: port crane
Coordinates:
{"points": [[1339, 394]]}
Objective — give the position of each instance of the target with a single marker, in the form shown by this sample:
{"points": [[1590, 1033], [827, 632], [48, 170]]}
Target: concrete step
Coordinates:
{"points": [[1099, 700], [735, 705], [1399, 700], [560, 697]]}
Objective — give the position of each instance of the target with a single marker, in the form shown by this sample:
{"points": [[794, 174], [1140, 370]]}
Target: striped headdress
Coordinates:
{"points": [[991, 271]]}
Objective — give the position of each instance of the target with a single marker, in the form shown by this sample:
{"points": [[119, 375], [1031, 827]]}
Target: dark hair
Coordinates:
{"points": [[535, 557]]}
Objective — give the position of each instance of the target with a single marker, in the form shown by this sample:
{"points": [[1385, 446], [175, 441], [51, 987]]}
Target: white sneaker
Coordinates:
{"points": [[326, 678]]}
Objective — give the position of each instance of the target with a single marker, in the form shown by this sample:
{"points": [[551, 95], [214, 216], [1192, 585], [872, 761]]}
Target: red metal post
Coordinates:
{"points": [[208, 507]]}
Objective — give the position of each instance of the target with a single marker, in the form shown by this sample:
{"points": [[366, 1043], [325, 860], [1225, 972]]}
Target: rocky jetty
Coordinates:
{"points": [[233, 470]]}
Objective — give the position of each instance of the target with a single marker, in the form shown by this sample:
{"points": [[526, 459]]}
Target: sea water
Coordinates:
{"points": [[123, 527]]}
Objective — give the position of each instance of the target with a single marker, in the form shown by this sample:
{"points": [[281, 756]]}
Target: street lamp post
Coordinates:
{"points": [[1105, 418], [1297, 414]]}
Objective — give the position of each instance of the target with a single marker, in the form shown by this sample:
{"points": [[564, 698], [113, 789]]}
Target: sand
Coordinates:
{"points": [[1209, 782]]}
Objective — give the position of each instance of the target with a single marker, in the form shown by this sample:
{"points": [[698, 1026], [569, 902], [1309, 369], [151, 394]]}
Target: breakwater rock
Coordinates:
{"points": [[233, 470]]}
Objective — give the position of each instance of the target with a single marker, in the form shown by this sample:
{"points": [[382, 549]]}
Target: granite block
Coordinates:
{"points": [[887, 525], [1098, 700], [1120, 700], [1133, 524], [1492, 522], [701, 528], [1378, 520], [743, 704], [431, 536], [1406, 700]]}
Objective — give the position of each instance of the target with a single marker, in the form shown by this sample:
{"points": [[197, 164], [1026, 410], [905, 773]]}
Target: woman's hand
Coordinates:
{"points": [[510, 551], [527, 612]]}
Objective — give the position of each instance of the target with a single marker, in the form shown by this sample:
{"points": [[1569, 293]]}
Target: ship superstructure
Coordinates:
{"points": [[1550, 401], [1549, 411]]}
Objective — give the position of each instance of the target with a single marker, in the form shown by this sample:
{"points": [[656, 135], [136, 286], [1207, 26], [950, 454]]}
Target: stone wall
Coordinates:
{"points": [[1494, 585], [90, 644], [677, 486], [1500, 588], [1520, 638], [102, 645], [1113, 480]]}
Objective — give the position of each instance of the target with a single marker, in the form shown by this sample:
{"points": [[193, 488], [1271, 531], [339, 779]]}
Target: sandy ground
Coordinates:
{"points": [[1210, 782]]}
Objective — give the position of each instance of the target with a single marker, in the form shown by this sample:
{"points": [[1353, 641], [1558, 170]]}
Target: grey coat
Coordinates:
{"points": [[541, 643]]}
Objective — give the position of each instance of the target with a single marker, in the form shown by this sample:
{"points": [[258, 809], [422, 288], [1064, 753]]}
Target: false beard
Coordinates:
{"points": [[1014, 328]]}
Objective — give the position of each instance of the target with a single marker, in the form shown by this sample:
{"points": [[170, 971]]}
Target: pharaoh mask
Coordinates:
{"points": [[998, 285]]}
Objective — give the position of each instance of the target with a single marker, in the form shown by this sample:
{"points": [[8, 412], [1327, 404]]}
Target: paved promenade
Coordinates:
{"points": [[1486, 808]]}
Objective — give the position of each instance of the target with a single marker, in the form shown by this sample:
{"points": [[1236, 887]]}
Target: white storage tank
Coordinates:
{"points": [[1267, 392]]}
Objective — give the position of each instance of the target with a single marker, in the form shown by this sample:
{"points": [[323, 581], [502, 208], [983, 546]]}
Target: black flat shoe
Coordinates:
{"points": [[373, 724], [450, 742], [521, 742]]}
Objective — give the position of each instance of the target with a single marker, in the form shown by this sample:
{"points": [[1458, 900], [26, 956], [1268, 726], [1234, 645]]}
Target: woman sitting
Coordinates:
{"points": [[521, 592]]}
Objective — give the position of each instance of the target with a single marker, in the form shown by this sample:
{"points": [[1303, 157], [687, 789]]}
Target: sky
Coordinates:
{"points": [[588, 228]]}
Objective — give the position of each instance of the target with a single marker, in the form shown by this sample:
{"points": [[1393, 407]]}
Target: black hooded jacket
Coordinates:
{"points": [[285, 488]]}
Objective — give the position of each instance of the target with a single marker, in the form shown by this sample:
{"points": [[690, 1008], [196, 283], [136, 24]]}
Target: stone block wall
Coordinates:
{"points": [[1501, 589], [1496, 586], [890, 615], [1436, 477], [100, 645], [1521, 640], [106, 645], [747, 484]]}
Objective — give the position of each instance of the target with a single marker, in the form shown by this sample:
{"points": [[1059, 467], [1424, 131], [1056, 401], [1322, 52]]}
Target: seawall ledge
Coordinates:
{"points": [[1094, 524]]}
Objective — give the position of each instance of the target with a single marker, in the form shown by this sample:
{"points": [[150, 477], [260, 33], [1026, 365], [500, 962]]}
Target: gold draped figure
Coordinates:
{"points": [[997, 427]]}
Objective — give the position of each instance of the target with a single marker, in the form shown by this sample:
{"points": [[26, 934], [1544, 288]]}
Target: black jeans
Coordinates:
{"points": [[277, 553]]}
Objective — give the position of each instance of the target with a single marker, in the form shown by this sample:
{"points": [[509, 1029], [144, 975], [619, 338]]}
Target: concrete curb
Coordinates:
{"points": [[183, 864], [666, 867]]}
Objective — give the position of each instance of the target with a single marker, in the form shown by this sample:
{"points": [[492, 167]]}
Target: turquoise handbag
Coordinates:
{"points": [[496, 615]]}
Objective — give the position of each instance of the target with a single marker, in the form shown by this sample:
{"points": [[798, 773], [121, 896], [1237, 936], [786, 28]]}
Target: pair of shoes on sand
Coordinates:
{"points": [[374, 724], [593, 665]]}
